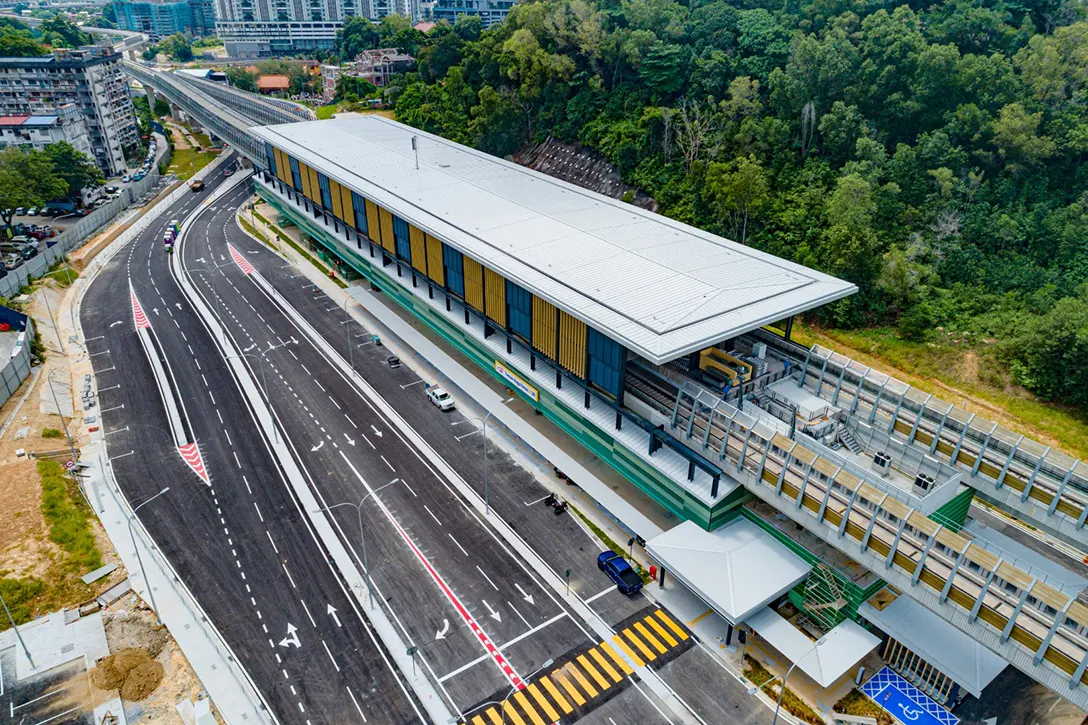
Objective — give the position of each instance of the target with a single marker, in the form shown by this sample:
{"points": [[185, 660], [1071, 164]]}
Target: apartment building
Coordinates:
{"points": [[87, 78], [40, 131], [158, 20]]}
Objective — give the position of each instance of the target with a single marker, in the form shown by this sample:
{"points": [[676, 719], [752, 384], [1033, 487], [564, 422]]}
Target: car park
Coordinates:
{"points": [[12, 261], [32, 212], [440, 398], [620, 572]]}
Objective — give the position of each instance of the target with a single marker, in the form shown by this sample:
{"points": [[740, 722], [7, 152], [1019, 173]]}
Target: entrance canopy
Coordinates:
{"points": [[825, 660], [736, 569]]}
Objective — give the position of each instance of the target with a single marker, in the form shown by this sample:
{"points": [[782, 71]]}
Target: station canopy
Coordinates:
{"points": [[736, 569], [659, 287]]}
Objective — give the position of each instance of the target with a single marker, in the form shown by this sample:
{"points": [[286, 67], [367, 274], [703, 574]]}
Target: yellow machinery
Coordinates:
{"points": [[718, 361]]}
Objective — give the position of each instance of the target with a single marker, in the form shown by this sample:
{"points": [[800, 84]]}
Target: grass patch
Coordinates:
{"points": [[63, 275], [186, 163], [858, 703], [68, 518], [324, 113], [607, 540], [945, 368], [793, 704], [20, 596], [203, 140], [294, 245], [51, 433]]}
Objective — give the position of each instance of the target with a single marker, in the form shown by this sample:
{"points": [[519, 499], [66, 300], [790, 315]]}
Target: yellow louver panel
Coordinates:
{"points": [[388, 240], [315, 187], [474, 283], [435, 265], [495, 291], [373, 228], [304, 172], [334, 192], [347, 206], [544, 327], [572, 344], [419, 248]]}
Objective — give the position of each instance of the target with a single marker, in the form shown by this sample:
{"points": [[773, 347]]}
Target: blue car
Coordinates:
{"points": [[619, 571]]}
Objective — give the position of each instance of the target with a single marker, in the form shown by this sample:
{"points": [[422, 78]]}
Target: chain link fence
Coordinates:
{"points": [[135, 194]]}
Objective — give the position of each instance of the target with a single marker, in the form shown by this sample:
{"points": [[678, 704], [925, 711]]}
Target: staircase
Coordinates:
{"points": [[847, 439], [824, 600]]}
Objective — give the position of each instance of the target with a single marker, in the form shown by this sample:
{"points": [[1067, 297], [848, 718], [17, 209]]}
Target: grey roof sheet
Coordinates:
{"points": [[660, 287]]}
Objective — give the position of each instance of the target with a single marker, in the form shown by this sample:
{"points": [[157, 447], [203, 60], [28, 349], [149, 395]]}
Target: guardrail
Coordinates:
{"points": [[76, 235]]}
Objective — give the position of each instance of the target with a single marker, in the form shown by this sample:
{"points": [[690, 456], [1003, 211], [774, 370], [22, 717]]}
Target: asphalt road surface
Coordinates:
{"points": [[239, 541]]}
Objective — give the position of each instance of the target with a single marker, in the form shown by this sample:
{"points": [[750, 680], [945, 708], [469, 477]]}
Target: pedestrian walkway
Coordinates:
{"points": [[578, 682]]}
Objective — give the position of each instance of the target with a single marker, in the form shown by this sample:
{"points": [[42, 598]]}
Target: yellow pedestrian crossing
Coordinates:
{"points": [[650, 638], [529, 710], [556, 695], [671, 624], [616, 658], [604, 665], [586, 675], [546, 706], [601, 682]]}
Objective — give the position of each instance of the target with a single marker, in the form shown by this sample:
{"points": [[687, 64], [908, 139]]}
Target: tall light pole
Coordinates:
{"points": [[60, 413], [487, 495], [347, 334], [259, 356], [782, 692], [17, 634], [362, 532], [503, 703], [139, 559]]}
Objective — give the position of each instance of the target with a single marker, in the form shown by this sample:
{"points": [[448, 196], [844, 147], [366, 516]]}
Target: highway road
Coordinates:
{"points": [[238, 539], [452, 586]]}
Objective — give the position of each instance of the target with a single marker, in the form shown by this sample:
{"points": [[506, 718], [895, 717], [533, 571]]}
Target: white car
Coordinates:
{"points": [[441, 399]]}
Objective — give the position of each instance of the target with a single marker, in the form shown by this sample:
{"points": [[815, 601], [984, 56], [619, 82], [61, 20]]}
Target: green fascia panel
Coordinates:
{"points": [[953, 514], [648, 479]]}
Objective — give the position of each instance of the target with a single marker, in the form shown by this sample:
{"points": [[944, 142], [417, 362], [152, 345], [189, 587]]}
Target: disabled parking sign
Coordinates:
{"points": [[905, 702]]}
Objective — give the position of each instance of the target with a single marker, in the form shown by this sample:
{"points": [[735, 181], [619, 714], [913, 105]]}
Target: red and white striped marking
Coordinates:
{"points": [[245, 266], [496, 654], [138, 312], [191, 455]]}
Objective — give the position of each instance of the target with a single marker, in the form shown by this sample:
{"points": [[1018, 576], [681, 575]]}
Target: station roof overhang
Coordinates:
{"points": [[825, 660], [736, 569], [944, 646], [659, 287]]}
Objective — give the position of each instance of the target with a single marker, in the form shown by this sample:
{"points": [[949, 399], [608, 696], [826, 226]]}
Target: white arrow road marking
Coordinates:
{"points": [[350, 441], [492, 613], [526, 597], [317, 447], [112, 324], [441, 634], [291, 638], [250, 347], [331, 611], [376, 431], [178, 304], [155, 310]]}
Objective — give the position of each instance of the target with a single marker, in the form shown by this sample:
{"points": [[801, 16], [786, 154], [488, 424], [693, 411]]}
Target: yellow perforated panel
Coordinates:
{"points": [[419, 248], [435, 266], [544, 327], [572, 344], [474, 283], [388, 241], [372, 225], [495, 293]]}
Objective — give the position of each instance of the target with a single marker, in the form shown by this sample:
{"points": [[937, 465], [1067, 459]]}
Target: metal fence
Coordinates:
{"points": [[77, 234], [17, 369]]}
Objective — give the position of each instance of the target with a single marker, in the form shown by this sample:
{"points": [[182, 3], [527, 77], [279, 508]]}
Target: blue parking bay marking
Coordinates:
{"points": [[905, 702]]}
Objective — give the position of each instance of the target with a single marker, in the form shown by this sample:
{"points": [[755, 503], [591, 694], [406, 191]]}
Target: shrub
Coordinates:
{"points": [[51, 433], [67, 516]]}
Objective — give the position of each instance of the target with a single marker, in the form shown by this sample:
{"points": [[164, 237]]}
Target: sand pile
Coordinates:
{"points": [[132, 671]]}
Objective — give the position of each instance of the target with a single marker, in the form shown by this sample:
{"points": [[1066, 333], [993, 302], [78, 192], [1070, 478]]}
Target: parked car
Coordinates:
{"points": [[126, 178], [111, 189], [440, 398], [21, 211], [619, 571], [137, 177], [32, 212], [12, 261]]}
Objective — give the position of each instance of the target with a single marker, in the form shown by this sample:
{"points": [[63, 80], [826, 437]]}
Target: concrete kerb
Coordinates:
{"points": [[317, 521], [241, 701], [527, 554]]}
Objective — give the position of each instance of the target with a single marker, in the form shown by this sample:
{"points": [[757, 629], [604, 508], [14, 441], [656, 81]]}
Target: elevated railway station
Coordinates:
{"points": [[665, 351]]}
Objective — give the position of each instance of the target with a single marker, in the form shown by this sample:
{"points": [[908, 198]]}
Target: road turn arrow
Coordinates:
{"points": [[331, 611], [376, 431], [526, 597], [350, 441], [291, 638], [317, 447], [441, 634]]}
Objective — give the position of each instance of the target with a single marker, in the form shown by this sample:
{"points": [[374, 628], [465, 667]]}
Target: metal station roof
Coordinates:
{"points": [[736, 569], [658, 286]]}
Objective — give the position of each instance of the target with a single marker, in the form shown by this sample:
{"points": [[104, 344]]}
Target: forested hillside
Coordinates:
{"points": [[934, 154]]}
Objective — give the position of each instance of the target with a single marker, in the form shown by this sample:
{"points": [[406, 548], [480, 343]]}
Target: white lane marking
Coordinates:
{"points": [[271, 541], [535, 629], [289, 576], [389, 464], [519, 614], [409, 488], [485, 576], [458, 544], [356, 703], [350, 421], [597, 596], [259, 514], [432, 515], [246, 481], [308, 613], [329, 653]]}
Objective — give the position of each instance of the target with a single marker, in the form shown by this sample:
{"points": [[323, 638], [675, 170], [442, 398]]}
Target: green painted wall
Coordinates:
{"points": [[647, 478], [954, 513]]}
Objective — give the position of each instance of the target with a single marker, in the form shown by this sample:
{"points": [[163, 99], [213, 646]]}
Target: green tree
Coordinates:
{"points": [[357, 35], [77, 169], [26, 179], [1016, 134], [242, 79], [738, 191], [16, 43], [162, 107], [60, 32], [663, 68], [178, 47]]}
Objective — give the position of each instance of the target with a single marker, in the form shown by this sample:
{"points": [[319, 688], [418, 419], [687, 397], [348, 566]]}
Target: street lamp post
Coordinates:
{"points": [[487, 493], [63, 424], [782, 692], [259, 356], [503, 703], [362, 532], [18, 635], [139, 559], [347, 334]]}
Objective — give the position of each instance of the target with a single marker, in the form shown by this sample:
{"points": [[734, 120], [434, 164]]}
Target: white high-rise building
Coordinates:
{"points": [[265, 28]]}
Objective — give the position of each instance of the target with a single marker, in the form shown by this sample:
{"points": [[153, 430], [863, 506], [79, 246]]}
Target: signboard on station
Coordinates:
{"points": [[517, 382]]}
